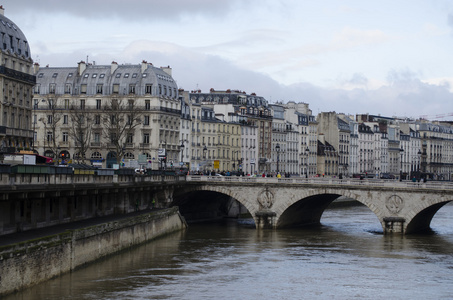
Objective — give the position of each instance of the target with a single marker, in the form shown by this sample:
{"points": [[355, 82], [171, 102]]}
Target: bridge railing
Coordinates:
{"points": [[326, 181], [11, 179]]}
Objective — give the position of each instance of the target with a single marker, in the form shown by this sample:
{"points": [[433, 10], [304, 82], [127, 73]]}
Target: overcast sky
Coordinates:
{"points": [[388, 57]]}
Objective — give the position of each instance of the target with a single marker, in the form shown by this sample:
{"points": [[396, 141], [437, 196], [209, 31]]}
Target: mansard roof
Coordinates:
{"points": [[140, 75], [13, 39]]}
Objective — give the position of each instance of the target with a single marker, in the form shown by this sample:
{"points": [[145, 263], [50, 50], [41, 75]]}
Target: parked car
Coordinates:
{"points": [[387, 176]]}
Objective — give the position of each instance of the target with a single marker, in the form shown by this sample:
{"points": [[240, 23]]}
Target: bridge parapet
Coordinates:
{"points": [[444, 185]]}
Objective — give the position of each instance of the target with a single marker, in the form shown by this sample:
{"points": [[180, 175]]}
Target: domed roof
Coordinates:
{"points": [[12, 38]]}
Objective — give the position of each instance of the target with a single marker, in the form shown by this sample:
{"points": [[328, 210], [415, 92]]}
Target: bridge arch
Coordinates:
{"points": [[202, 198], [422, 219], [310, 205]]}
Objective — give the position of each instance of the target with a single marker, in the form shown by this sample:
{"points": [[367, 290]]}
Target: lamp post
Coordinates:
{"points": [[277, 148], [58, 155], [307, 152], [419, 154], [401, 165], [182, 153]]}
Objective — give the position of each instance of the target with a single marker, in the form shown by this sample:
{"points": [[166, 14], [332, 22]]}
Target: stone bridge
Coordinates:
{"points": [[401, 207]]}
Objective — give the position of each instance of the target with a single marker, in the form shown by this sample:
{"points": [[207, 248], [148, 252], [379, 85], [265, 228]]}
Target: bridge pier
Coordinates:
{"points": [[265, 219], [393, 225]]}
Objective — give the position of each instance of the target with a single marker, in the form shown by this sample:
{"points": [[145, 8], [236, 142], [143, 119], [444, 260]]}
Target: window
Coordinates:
{"points": [[148, 89], [130, 138], [40, 75], [116, 88], [147, 105], [118, 75], [97, 137], [66, 103], [65, 137], [99, 88], [86, 75], [144, 75], [160, 89], [126, 75], [49, 136], [69, 75], [36, 89], [98, 103], [67, 88], [49, 119], [52, 88], [132, 89], [94, 75], [54, 75], [146, 138], [83, 89], [97, 119], [134, 75], [102, 76], [82, 103], [65, 119], [146, 120]]}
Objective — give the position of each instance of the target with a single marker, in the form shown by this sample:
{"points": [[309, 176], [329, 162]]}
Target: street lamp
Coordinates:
{"points": [[307, 152], [419, 154], [401, 166], [277, 148], [182, 152]]}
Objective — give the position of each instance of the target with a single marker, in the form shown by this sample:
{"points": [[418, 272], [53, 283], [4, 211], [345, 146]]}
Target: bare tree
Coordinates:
{"points": [[80, 130], [52, 124], [120, 119]]}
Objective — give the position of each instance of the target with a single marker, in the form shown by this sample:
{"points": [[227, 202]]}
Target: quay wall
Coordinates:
{"points": [[28, 263]]}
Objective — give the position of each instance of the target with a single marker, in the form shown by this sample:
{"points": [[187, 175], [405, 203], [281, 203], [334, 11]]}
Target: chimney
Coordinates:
{"points": [[35, 68], [144, 66], [166, 70], [2, 10], [81, 68], [113, 67]]}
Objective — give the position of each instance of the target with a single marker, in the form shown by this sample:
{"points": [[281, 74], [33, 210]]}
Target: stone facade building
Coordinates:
{"points": [[108, 115], [16, 83]]}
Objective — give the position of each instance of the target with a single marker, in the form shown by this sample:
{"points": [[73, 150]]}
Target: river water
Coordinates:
{"points": [[347, 257]]}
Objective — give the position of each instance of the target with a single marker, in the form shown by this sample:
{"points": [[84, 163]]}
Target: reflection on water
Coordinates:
{"points": [[347, 257]]}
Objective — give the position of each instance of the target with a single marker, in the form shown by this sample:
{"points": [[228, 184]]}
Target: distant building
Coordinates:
{"points": [[108, 114], [16, 83]]}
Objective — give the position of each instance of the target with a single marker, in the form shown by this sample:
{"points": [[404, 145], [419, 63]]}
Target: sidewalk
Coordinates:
{"points": [[23, 236]]}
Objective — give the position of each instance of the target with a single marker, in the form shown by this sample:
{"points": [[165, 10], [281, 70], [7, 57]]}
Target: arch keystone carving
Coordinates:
{"points": [[394, 204], [266, 198]]}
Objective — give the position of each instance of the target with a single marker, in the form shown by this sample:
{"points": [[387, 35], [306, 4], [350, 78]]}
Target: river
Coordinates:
{"points": [[347, 257]]}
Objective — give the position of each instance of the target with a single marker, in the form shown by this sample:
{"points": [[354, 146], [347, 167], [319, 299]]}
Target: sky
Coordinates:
{"points": [[389, 58]]}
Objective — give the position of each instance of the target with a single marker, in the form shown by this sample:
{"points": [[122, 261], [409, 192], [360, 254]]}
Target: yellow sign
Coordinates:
{"points": [[216, 164]]}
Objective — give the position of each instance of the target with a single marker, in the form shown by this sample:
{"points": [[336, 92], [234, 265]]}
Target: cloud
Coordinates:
{"points": [[450, 20], [403, 95], [131, 10]]}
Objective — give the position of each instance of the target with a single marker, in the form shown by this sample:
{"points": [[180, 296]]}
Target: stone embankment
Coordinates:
{"points": [[30, 262]]}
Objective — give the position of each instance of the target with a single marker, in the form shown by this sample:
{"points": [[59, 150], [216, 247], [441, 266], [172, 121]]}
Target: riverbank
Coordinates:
{"points": [[34, 257]]}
